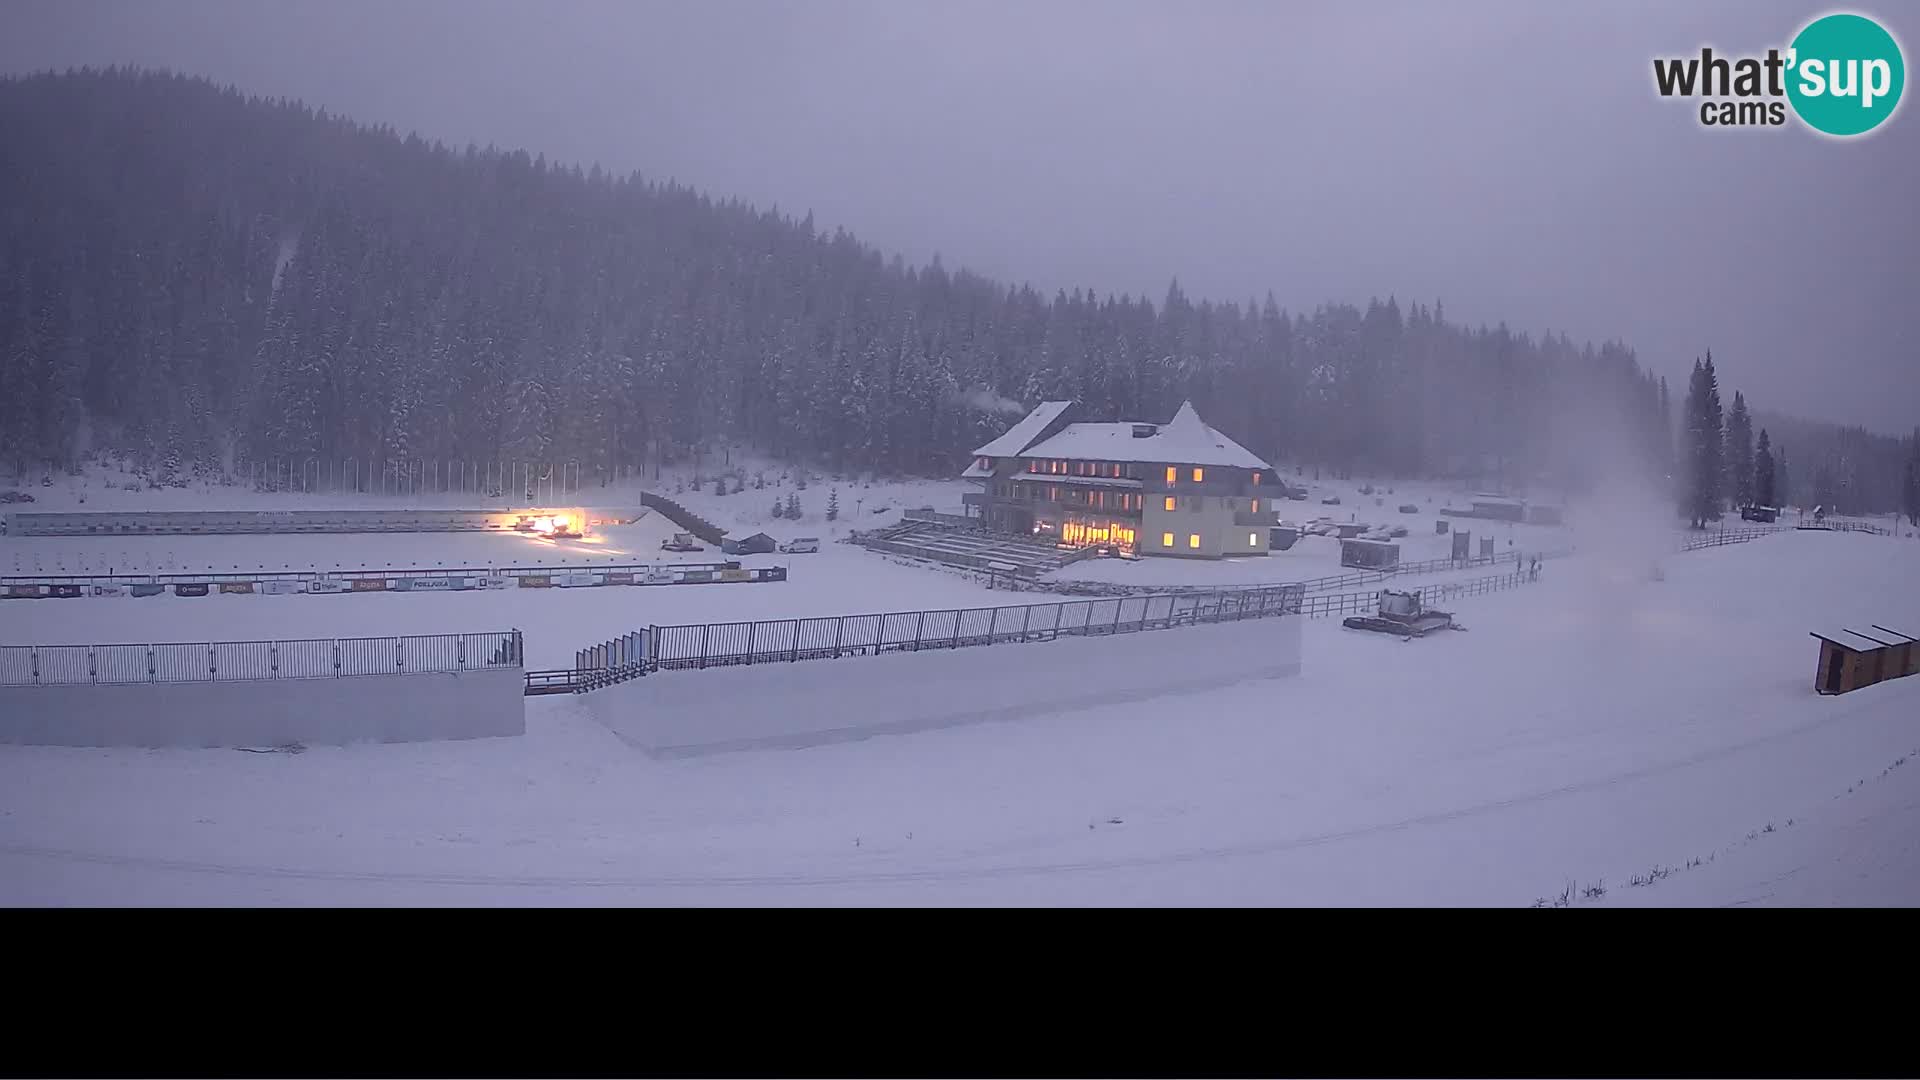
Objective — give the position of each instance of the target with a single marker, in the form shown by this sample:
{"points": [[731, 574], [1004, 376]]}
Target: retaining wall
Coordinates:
{"points": [[685, 713], [269, 712]]}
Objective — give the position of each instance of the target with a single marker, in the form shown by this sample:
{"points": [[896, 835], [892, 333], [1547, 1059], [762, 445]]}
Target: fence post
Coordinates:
{"points": [[336, 658], [918, 628], [273, 660], [1025, 622], [839, 623], [399, 658], [150, 668], [751, 628], [212, 665], [1115, 628], [993, 624], [704, 631]]}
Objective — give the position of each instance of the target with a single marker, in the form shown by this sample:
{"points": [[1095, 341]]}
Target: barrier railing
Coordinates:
{"points": [[414, 579], [789, 640], [242, 661]]}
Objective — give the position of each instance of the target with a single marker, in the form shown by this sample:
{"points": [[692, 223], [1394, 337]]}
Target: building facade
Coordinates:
{"points": [[1179, 489]]}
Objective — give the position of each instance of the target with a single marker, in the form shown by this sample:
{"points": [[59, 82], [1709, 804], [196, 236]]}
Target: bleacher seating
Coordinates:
{"points": [[973, 548]]}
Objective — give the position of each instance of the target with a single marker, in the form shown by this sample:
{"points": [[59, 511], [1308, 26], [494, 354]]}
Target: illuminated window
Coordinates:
{"points": [[1173, 475], [1166, 539], [1256, 502], [1199, 474], [1193, 540], [1033, 466], [1169, 503], [1253, 540], [1256, 478]]}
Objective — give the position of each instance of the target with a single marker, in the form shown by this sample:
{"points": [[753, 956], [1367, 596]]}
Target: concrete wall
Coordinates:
{"points": [[273, 712], [682, 713]]}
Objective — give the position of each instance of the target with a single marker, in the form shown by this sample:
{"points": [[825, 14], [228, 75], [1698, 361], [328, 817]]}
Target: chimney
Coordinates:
{"points": [[1145, 431]]}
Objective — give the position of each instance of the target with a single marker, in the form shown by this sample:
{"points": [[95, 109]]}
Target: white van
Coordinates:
{"points": [[800, 544]]}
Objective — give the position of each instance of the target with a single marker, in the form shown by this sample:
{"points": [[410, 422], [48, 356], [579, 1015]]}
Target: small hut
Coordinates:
{"points": [[1851, 659], [1369, 554], [757, 544]]}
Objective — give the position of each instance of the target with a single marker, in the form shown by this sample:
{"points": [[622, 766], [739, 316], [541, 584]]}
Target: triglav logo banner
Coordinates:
{"points": [[1841, 75]]}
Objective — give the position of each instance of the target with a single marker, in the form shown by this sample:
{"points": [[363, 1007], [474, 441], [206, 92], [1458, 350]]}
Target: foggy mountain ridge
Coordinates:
{"points": [[202, 279]]}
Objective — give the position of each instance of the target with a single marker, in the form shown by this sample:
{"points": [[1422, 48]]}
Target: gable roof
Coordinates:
{"points": [[1184, 440], [1015, 439]]}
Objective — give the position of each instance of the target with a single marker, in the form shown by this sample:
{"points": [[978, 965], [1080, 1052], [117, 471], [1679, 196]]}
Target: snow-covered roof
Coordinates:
{"points": [[1852, 639], [975, 472], [1499, 500], [1184, 440], [1015, 439]]}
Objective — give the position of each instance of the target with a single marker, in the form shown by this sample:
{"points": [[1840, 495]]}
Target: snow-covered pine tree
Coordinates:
{"points": [[1763, 474], [779, 509], [833, 505], [793, 505], [1910, 481], [1739, 452]]}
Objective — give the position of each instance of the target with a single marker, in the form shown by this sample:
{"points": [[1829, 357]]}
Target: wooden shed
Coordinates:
{"points": [[1906, 651], [1850, 659]]}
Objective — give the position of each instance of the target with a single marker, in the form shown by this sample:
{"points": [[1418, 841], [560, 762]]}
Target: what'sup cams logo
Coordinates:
{"points": [[1842, 76]]}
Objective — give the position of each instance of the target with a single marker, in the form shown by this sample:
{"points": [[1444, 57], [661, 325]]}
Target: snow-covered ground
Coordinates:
{"points": [[1585, 729]]}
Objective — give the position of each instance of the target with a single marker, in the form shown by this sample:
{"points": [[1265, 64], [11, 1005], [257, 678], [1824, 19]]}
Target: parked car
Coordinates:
{"points": [[15, 497], [680, 542], [801, 545], [1331, 500]]}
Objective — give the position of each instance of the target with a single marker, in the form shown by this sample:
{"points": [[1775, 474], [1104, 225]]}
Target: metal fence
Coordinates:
{"points": [[1722, 537], [788, 640], [1364, 603], [239, 661], [1312, 586]]}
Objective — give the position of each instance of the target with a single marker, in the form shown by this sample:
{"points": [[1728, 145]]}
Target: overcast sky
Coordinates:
{"points": [[1508, 158]]}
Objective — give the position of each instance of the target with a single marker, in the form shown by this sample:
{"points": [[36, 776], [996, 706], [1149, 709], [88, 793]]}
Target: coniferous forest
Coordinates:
{"points": [[200, 280]]}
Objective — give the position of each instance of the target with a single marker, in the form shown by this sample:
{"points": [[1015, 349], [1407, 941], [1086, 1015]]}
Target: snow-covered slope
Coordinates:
{"points": [[1585, 729]]}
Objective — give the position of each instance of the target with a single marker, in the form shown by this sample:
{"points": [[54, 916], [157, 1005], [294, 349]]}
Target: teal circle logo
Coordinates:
{"points": [[1844, 75]]}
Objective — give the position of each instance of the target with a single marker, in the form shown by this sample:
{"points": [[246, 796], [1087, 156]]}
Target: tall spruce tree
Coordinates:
{"points": [[1704, 472], [1910, 484], [1739, 452], [1763, 475]]}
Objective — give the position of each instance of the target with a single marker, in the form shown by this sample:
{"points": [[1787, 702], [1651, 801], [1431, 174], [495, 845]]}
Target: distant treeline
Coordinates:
{"points": [[201, 280]]}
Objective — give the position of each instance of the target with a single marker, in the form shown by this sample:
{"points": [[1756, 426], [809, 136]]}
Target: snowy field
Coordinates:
{"points": [[1585, 729]]}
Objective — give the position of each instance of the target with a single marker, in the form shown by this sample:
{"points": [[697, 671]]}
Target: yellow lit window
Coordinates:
{"points": [[1169, 503], [1193, 540], [1166, 539], [1253, 540], [1173, 475], [1256, 502], [1199, 475]]}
